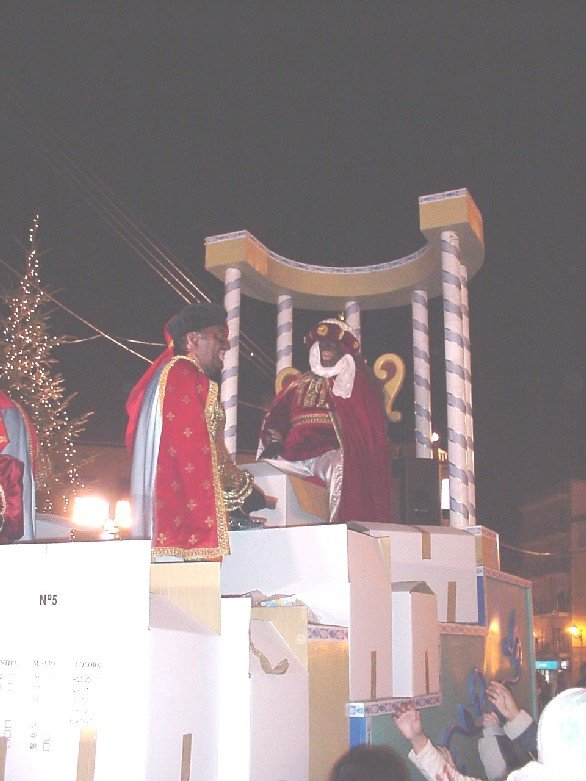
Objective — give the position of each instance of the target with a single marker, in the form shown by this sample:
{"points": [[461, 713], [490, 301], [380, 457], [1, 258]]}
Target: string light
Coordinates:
{"points": [[27, 372]]}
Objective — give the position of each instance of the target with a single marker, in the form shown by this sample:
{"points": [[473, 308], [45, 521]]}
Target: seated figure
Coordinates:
{"points": [[330, 423]]}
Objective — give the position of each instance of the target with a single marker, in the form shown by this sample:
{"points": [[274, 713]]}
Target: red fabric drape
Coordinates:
{"points": [[187, 519], [11, 475], [366, 484], [5, 403]]}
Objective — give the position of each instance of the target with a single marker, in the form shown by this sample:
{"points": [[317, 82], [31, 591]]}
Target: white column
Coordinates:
{"points": [[469, 423], [352, 315], [284, 332], [454, 357], [421, 374], [229, 390]]}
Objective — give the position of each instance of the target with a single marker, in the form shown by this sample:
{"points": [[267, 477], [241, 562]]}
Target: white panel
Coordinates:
{"points": [[370, 619], [280, 707], [234, 702]]}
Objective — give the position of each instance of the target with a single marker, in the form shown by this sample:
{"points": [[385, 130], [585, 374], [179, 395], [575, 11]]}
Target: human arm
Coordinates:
{"points": [[494, 748], [276, 424], [522, 730], [519, 726], [429, 759], [408, 721], [238, 487]]}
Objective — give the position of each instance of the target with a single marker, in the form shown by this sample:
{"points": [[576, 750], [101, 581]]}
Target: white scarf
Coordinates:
{"points": [[344, 371]]}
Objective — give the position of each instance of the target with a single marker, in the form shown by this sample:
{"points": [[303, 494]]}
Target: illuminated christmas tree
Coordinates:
{"points": [[28, 375]]}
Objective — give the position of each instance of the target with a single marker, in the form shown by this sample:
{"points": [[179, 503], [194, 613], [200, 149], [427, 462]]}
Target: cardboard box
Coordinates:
{"points": [[263, 695], [416, 641], [192, 586], [184, 686], [487, 546], [341, 575], [442, 557], [279, 705], [328, 660], [235, 696], [95, 668], [299, 501]]}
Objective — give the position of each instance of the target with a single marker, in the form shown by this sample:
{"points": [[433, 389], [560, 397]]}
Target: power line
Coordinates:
{"points": [[106, 206], [76, 316], [102, 334]]}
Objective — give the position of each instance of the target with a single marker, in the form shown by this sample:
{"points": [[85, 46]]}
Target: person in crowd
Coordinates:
{"points": [[543, 691], [369, 763], [561, 743], [184, 486], [518, 725], [330, 423]]}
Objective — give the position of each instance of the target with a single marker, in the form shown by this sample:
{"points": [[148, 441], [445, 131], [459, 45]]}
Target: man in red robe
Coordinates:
{"points": [[330, 422], [18, 454], [184, 485]]}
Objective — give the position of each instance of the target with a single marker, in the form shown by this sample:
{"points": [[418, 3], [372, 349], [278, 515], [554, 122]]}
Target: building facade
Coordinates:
{"points": [[551, 552]]}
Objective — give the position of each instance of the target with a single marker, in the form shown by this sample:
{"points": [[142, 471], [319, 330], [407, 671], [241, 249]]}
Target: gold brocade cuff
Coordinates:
{"points": [[236, 488]]}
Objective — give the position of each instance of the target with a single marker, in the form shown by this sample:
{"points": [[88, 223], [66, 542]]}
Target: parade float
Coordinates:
{"points": [[270, 664]]}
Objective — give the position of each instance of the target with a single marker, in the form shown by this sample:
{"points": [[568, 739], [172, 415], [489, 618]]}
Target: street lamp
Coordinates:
{"points": [[576, 633]]}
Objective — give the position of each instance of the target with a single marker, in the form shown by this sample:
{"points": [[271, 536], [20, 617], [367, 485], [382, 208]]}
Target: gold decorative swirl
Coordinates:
{"points": [[390, 368]]}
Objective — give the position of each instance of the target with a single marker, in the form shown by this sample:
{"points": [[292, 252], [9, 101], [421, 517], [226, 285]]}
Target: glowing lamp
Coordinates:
{"points": [[90, 511], [575, 632], [122, 514]]}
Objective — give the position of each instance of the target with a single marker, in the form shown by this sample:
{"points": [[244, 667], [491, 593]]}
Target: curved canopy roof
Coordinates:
{"points": [[267, 275]]}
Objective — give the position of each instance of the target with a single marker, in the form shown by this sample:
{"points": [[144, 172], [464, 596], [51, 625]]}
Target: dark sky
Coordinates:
{"points": [[316, 126]]}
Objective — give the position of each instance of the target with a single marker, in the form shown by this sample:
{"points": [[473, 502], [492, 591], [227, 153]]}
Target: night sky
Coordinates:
{"points": [[316, 126]]}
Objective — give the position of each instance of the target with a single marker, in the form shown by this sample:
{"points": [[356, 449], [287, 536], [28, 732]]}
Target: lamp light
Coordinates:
{"points": [[123, 517], [576, 633], [90, 511]]}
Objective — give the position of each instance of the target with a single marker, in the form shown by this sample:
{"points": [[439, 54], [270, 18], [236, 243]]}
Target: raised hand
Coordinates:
{"points": [[502, 699], [408, 721]]}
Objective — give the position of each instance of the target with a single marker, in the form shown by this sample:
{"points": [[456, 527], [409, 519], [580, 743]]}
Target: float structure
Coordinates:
{"points": [[454, 252], [301, 643]]}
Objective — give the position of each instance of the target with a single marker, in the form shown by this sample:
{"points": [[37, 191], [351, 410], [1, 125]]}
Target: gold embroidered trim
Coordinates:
{"points": [[210, 413], [312, 391], [337, 428], [189, 554], [312, 417]]}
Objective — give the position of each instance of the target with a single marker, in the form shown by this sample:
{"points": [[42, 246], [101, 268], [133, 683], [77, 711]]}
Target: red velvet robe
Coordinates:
{"points": [[310, 420], [190, 517]]}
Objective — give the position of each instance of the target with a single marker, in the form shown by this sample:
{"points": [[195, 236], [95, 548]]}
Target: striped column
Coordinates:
{"points": [[469, 423], [229, 391], [284, 332], [421, 374], [454, 357], [352, 315]]}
